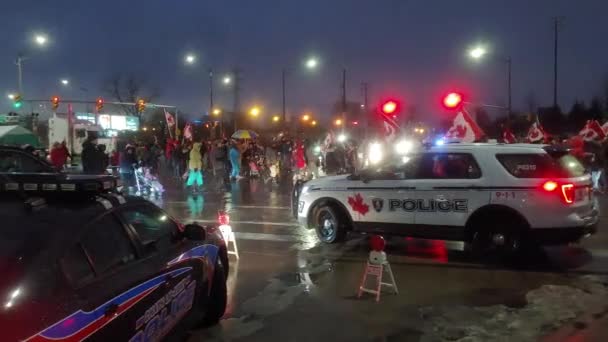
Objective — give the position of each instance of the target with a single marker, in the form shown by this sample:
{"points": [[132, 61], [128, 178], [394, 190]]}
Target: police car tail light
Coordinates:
{"points": [[223, 218], [550, 186], [568, 193]]}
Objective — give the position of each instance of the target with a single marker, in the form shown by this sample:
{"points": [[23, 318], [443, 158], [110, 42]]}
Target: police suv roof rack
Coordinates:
{"points": [[50, 185]]}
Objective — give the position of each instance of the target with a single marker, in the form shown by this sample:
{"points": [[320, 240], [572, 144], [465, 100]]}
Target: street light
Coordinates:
{"points": [[478, 52], [305, 117], [312, 63], [338, 122], [40, 39], [227, 80], [255, 111], [190, 58], [276, 118], [314, 122], [11, 96], [217, 111], [65, 82]]}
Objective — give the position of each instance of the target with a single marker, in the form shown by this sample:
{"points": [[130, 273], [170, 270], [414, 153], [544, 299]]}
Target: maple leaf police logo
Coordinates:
{"points": [[378, 203]]}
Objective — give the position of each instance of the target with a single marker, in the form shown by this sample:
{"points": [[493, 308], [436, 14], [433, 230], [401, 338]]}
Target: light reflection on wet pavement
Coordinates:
{"points": [[288, 287]]}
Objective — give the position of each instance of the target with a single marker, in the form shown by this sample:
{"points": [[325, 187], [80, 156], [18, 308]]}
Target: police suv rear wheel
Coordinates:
{"points": [[329, 225], [501, 241], [216, 304]]}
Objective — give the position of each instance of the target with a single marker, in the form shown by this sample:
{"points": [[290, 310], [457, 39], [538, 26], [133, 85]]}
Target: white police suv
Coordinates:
{"points": [[493, 195]]}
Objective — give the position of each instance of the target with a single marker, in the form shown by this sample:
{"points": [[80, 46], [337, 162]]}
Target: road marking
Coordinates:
{"points": [[266, 237], [236, 223], [258, 207]]}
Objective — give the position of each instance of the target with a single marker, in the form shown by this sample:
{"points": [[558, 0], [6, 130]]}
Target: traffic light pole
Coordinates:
{"points": [[19, 64], [344, 123]]}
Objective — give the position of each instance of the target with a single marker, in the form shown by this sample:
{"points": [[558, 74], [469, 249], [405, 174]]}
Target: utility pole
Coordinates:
{"points": [[344, 123], [237, 88], [283, 88], [365, 86], [210, 91], [19, 63], [556, 22]]}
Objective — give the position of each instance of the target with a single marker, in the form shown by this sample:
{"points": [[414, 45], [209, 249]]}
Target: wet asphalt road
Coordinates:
{"points": [[286, 286]]}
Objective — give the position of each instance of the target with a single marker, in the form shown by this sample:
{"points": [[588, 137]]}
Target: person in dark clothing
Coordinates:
{"points": [[127, 159], [103, 159], [90, 157]]}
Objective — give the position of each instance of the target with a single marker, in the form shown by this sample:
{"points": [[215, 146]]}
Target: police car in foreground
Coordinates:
{"points": [[79, 261], [494, 195]]}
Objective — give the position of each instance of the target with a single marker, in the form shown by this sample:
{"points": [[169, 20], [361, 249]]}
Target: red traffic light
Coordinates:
{"points": [[390, 107], [99, 103], [452, 100], [55, 102]]}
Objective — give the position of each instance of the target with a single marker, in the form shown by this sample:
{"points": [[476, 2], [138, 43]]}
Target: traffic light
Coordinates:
{"points": [[141, 105], [452, 100], [99, 104], [390, 107], [17, 101], [55, 102]]}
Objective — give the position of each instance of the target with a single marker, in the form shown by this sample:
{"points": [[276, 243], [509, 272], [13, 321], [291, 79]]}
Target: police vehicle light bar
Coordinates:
{"points": [[58, 184]]}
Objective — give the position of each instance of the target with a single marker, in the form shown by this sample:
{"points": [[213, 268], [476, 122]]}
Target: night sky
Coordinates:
{"points": [[412, 49]]}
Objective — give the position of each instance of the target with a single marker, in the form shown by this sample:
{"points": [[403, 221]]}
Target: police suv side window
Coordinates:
{"points": [[448, 166], [76, 266], [107, 245], [11, 161], [155, 229]]}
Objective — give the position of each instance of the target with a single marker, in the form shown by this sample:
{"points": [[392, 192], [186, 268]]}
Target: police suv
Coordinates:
{"points": [[81, 262], [493, 195]]}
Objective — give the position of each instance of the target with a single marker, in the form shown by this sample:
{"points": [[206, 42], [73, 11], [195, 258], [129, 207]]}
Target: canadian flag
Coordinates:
{"points": [[389, 127], [536, 133], [188, 132], [170, 119], [592, 131], [508, 137], [464, 129]]}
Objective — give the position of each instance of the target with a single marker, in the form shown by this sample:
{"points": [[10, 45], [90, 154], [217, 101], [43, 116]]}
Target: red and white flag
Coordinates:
{"points": [[536, 133], [188, 132], [605, 128], [592, 131], [464, 129], [508, 137], [389, 128], [170, 119]]}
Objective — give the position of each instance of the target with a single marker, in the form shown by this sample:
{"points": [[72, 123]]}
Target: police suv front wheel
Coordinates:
{"points": [[329, 225]]}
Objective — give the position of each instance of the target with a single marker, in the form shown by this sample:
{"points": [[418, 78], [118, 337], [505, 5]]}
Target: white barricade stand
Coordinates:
{"points": [[377, 266], [229, 237]]}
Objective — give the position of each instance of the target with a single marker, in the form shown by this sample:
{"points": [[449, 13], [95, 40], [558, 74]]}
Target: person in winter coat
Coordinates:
{"points": [[299, 157], [195, 176], [235, 161], [90, 157], [58, 156], [128, 158]]}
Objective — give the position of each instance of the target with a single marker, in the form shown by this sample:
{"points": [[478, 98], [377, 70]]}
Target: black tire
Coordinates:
{"points": [[329, 225], [216, 303], [486, 244]]}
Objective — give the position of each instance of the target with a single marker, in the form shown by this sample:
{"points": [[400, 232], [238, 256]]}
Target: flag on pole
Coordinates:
{"points": [[536, 133], [508, 137], [188, 131], [592, 131], [169, 118], [390, 128], [464, 129]]}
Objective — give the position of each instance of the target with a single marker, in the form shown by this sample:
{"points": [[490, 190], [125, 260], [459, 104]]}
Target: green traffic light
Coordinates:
{"points": [[17, 105]]}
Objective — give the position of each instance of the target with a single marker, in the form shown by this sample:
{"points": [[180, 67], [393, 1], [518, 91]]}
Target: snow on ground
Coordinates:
{"points": [[549, 307]]}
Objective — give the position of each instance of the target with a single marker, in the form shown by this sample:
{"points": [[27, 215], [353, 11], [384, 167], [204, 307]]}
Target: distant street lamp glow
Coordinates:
{"points": [[11, 96], [227, 80], [312, 63], [190, 58], [40, 39], [341, 138], [65, 82], [305, 117], [314, 122], [275, 118], [217, 111], [255, 111], [338, 122], [477, 52]]}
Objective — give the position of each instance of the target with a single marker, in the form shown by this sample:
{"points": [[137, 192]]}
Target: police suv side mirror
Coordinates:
{"points": [[194, 232]]}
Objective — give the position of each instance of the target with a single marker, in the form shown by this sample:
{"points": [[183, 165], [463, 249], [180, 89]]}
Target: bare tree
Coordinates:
{"points": [[531, 104], [128, 88]]}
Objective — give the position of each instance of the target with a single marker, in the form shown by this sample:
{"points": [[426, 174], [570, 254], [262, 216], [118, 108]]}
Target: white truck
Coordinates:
{"points": [[59, 130]]}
